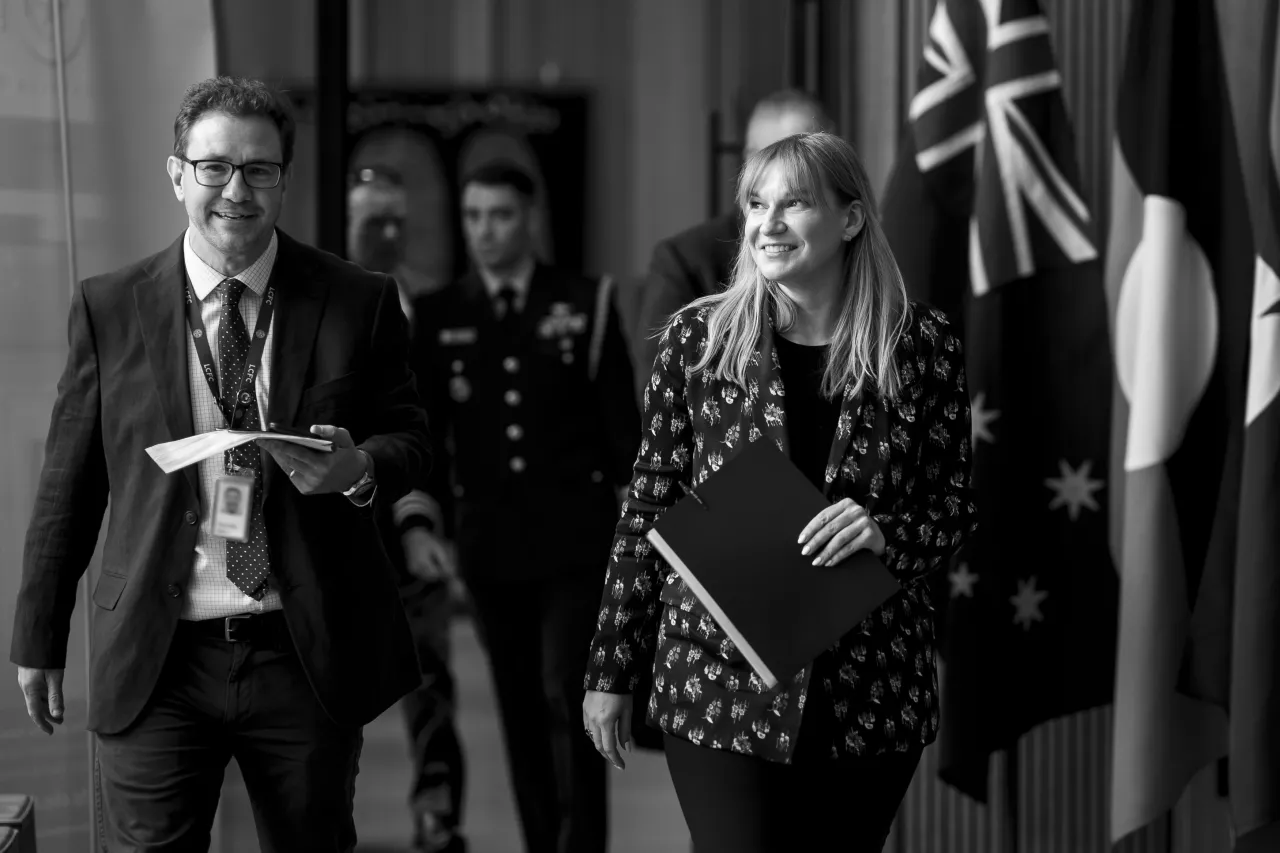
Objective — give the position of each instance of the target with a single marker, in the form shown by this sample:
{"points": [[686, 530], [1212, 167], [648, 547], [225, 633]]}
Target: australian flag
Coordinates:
{"points": [[988, 223]]}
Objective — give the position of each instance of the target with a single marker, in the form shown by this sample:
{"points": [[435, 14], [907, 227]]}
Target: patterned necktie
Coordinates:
{"points": [[247, 562]]}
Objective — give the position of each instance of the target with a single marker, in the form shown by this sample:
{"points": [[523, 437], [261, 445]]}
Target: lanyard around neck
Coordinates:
{"points": [[245, 386]]}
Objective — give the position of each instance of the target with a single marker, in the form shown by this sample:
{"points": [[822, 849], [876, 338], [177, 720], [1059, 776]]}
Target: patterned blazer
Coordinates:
{"points": [[906, 461]]}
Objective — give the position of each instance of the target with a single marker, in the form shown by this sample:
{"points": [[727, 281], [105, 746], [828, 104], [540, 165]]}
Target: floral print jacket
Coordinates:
{"points": [[905, 460]]}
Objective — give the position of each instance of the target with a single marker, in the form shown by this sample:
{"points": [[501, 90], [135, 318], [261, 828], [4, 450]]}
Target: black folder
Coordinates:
{"points": [[734, 542]]}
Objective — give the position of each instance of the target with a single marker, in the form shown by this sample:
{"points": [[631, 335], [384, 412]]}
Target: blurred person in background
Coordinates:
{"points": [[274, 650], [813, 346], [698, 261], [528, 391], [377, 204], [424, 565]]}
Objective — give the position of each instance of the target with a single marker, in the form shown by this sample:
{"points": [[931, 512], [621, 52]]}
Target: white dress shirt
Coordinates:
{"points": [[520, 279], [210, 595]]}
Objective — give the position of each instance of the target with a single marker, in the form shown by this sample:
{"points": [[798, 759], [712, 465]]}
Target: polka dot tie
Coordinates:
{"points": [[247, 562]]}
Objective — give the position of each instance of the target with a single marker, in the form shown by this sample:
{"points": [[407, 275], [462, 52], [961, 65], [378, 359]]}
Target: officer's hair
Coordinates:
{"points": [[500, 173], [238, 97]]}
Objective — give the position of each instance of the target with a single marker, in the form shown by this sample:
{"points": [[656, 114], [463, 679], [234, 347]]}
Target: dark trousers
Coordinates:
{"points": [[740, 804], [438, 767], [537, 633], [161, 778]]}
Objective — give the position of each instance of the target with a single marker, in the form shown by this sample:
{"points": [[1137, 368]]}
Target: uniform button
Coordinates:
{"points": [[597, 477], [174, 590], [511, 364], [458, 491], [190, 517], [517, 464], [512, 397], [515, 432], [457, 365]]}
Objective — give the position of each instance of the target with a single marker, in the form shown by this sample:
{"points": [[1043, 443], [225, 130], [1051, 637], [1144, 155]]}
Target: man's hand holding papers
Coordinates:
{"points": [[175, 455]]}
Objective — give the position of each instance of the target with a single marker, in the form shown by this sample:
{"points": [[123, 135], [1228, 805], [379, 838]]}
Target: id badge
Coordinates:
{"points": [[232, 503]]}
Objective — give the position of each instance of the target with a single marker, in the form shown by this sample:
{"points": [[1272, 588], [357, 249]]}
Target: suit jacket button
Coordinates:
{"points": [[517, 464], [174, 590], [512, 397], [190, 517]]}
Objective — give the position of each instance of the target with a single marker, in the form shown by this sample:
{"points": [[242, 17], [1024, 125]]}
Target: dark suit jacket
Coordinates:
{"points": [[905, 460], [693, 263], [570, 432], [339, 357]]}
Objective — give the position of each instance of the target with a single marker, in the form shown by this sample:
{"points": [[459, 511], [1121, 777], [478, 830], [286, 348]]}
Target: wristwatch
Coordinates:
{"points": [[366, 478]]}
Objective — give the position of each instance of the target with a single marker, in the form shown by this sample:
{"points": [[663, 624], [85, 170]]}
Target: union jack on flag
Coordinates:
{"points": [[990, 104]]}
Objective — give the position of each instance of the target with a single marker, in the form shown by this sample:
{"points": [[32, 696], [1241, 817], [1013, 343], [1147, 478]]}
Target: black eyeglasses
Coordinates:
{"points": [[259, 174]]}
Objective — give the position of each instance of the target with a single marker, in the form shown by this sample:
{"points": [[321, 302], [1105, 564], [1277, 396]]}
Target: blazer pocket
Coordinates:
{"points": [[339, 393], [107, 593]]}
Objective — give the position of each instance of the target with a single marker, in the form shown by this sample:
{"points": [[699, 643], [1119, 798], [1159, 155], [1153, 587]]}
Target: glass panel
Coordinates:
{"points": [[126, 66], [33, 310]]}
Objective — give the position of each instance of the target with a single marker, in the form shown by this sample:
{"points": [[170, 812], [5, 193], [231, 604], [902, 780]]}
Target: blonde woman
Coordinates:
{"points": [[814, 346]]}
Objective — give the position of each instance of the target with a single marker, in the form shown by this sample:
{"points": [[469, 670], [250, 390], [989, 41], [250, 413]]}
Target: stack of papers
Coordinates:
{"points": [[176, 455]]}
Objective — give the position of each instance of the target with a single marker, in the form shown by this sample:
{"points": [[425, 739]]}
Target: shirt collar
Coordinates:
{"points": [[520, 279], [205, 278]]}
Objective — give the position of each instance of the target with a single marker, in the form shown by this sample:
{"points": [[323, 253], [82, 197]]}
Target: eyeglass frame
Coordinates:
{"points": [[195, 172]]}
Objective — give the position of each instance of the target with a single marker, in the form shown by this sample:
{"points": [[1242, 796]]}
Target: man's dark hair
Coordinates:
{"points": [[239, 97], [500, 173]]}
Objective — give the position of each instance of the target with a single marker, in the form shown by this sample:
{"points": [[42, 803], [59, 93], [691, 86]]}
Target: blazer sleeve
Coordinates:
{"points": [[627, 624], [669, 286], [399, 444], [431, 503], [71, 498], [935, 511]]}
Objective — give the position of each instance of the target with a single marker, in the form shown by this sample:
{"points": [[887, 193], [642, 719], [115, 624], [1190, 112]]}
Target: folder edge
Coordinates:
{"points": [[757, 663]]}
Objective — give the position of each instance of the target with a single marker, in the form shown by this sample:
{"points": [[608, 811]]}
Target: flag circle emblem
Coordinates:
{"points": [[244, 398], [261, 334], [460, 389]]}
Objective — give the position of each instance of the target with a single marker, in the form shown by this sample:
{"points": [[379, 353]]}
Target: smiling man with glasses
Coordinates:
{"points": [[273, 649]]}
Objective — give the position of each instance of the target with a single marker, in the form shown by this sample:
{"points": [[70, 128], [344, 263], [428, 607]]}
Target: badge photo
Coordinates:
{"points": [[232, 503]]}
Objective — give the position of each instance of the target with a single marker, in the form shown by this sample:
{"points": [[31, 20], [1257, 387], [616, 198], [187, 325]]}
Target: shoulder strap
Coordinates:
{"points": [[604, 297]]}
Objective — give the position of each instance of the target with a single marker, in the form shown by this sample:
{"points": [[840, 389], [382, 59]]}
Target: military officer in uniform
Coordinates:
{"points": [[528, 389]]}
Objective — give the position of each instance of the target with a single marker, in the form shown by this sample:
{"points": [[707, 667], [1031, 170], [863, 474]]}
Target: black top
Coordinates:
{"points": [[811, 419]]}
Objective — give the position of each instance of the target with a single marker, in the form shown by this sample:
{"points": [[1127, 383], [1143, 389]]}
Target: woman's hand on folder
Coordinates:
{"points": [[838, 531], [607, 719]]}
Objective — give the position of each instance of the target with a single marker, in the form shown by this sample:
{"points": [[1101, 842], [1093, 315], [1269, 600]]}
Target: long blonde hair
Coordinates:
{"points": [[875, 311]]}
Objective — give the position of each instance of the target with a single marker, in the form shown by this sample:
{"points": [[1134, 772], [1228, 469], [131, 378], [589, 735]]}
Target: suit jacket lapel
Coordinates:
{"points": [[537, 302], [300, 299], [849, 405], [160, 303], [767, 410]]}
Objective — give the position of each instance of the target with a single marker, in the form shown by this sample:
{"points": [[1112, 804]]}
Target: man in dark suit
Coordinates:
{"points": [[525, 376], [274, 650], [699, 260]]}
